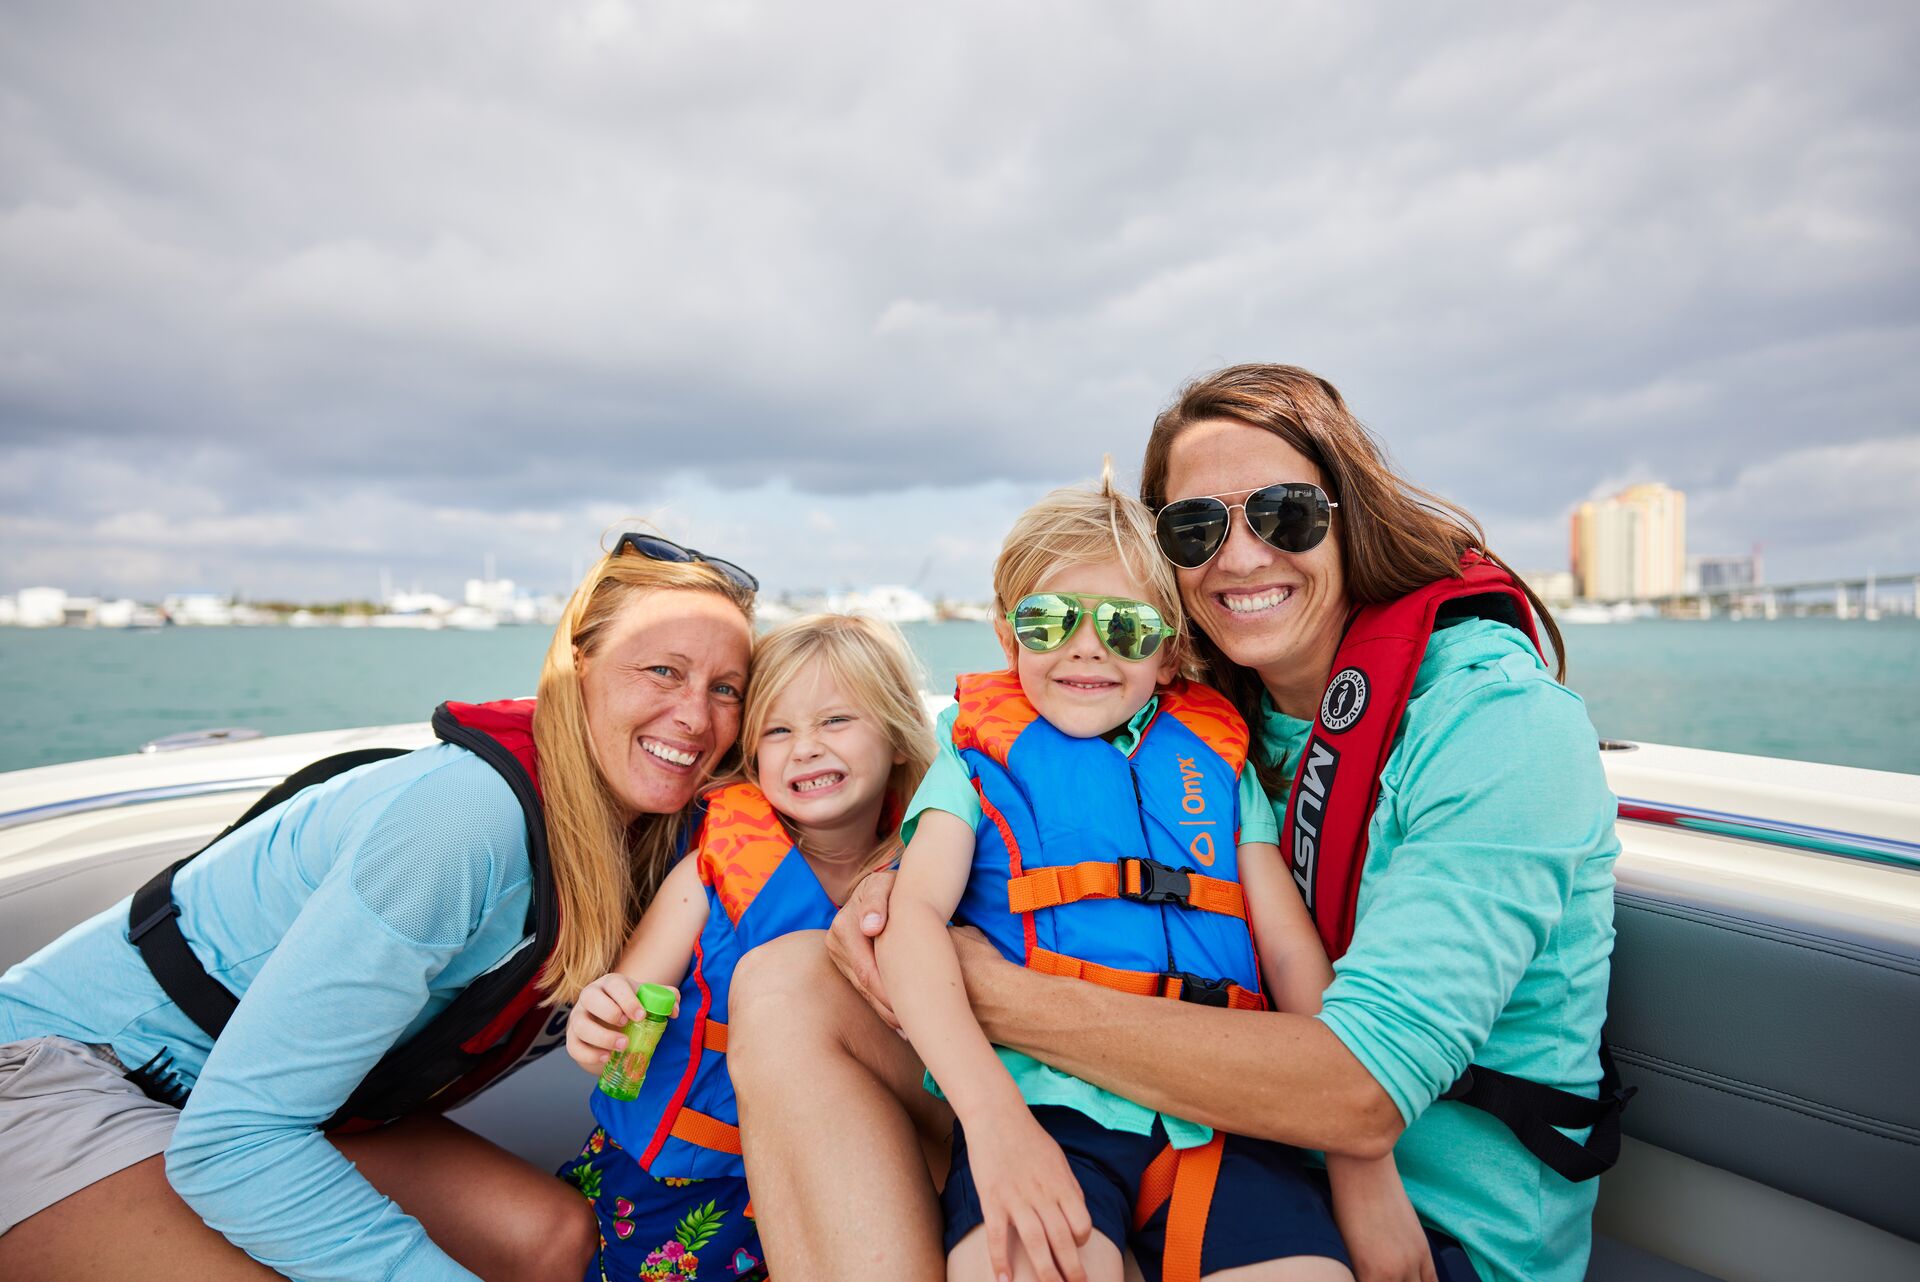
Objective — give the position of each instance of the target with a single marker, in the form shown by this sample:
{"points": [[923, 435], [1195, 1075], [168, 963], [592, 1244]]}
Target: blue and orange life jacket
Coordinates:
{"points": [[685, 1124], [1117, 867], [1121, 868]]}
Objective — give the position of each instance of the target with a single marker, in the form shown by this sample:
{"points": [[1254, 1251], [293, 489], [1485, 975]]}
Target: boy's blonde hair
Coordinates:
{"points": [[870, 660], [1090, 525]]}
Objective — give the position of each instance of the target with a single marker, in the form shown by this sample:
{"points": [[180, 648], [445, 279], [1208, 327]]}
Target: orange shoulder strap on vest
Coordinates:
{"points": [[740, 843], [993, 712], [1211, 716]]}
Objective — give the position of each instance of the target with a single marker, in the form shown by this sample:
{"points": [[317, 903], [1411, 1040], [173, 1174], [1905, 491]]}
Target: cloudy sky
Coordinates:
{"points": [[293, 294]]}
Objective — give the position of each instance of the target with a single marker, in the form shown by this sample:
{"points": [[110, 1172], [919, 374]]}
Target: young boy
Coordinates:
{"points": [[1090, 813]]}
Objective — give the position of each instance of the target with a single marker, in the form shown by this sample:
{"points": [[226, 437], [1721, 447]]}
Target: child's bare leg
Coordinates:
{"points": [[969, 1261], [836, 1125], [1297, 1268]]}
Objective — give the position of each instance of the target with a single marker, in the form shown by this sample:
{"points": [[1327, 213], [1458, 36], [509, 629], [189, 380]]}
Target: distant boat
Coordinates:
{"points": [[892, 603], [472, 618]]}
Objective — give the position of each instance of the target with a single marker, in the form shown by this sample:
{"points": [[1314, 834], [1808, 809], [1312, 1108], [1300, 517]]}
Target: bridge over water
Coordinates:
{"points": [[1861, 596]]}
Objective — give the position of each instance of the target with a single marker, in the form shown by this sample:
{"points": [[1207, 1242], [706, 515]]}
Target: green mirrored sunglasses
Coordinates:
{"points": [[1133, 630]]}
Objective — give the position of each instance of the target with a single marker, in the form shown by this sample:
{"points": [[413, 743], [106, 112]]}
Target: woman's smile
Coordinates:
{"points": [[681, 756]]}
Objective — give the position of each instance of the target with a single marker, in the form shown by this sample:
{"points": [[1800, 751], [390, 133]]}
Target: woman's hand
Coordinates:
{"points": [[850, 941], [1025, 1184], [596, 1028], [1380, 1226]]}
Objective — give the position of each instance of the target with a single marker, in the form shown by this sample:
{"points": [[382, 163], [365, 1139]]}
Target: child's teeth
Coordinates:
{"points": [[814, 785]]}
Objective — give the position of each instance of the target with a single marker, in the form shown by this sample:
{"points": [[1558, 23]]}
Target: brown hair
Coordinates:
{"points": [[1393, 536], [871, 661], [605, 870]]}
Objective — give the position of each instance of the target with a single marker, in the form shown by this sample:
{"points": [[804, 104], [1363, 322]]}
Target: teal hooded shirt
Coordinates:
{"points": [[1484, 929]]}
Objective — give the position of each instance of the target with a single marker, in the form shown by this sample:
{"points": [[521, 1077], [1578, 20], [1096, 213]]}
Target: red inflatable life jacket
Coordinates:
{"points": [[486, 1030], [1337, 782], [1324, 835]]}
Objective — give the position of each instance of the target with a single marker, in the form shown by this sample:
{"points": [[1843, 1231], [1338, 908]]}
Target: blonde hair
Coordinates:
{"points": [[867, 658], [605, 870], [1090, 525]]}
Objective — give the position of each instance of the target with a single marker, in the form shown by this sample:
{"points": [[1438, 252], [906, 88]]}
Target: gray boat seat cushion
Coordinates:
{"points": [[1775, 1043]]}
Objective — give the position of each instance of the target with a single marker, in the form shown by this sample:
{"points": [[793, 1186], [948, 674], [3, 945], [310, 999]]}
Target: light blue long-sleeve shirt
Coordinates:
{"points": [[1483, 935], [347, 918]]}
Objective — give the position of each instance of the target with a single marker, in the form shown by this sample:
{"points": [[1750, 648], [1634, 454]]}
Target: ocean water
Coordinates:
{"points": [[1820, 689]]}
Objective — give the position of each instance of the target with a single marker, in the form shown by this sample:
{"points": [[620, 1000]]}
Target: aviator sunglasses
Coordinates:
{"points": [[655, 548], [1132, 630], [1292, 516]]}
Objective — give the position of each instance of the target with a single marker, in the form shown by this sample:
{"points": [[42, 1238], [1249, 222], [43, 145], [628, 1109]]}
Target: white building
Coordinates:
{"points": [[199, 609], [495, 596], [81, 611], [418, 603], [40, 607], [1555, 587]]}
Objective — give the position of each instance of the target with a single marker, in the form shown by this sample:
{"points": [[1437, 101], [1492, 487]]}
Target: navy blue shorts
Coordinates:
{"points": [[1264, 1206]]}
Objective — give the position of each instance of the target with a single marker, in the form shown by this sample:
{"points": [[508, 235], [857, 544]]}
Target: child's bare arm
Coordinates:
{"points": [[922, 976], [658, 952], [1293, 965], [1022, 1178], [1371, 1206]]}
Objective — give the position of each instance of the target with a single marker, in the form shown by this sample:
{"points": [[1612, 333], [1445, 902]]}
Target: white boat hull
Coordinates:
{"points": [[1719, 851]]}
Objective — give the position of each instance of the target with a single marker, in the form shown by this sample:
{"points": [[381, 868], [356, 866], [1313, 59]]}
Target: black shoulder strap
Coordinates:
{"points": [[153, 924], [1533, 1111], [414, 1070]]}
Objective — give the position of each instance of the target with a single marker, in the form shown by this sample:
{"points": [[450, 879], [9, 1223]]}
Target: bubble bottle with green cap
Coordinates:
{"points": [[627, 1068]]}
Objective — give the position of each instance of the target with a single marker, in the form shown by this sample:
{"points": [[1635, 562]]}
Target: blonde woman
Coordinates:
{"points": [[835, 743], [239, 1072]]}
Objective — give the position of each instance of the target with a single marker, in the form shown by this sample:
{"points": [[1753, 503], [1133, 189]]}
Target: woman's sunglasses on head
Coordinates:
{"points": [[1132, 630], [1292, 516], [655, 548]]}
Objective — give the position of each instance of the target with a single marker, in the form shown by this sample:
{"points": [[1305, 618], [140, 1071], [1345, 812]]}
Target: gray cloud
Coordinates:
{"points": [[281, 287]]}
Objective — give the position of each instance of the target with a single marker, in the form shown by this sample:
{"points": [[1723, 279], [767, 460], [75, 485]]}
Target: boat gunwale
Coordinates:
{"points": [[1762, 830]]}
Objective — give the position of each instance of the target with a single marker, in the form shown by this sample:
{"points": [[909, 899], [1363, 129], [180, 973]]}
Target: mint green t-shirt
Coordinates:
{"points": [[1484, 930], [948, 786]]}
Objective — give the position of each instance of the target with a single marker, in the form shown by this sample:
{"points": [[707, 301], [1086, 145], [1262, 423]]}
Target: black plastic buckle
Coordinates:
{"points": [[152, 919], [1202, 992], [1159, 883]]}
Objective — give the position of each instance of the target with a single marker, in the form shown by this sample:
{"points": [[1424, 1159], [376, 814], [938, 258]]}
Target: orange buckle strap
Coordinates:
{"points": [[1145, 881], [1177, 985], [714, 1037], [1186, 1178], [698, 1129]]}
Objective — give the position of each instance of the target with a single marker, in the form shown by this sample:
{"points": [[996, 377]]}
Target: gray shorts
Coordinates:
{"points": [[68, 1117]]}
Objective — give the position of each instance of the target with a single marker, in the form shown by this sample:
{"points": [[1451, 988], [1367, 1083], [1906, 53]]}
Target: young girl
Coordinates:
{"points": [[1094, 820], [834, 739]]}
